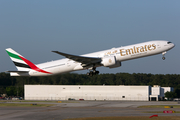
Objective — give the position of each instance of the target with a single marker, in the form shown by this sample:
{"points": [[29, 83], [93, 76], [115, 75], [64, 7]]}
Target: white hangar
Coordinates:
{"points": [[94, 92]]}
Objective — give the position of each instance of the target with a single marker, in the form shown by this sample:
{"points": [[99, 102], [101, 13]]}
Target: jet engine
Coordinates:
{"points": [[110, 62]]}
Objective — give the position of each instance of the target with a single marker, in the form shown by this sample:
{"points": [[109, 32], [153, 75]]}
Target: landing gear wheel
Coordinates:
{"points": [[87, 73], [91, 73], [96, 72], [163, 58]]}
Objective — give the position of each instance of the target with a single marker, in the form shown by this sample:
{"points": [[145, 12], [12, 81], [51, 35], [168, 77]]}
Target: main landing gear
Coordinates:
{"points": [[163, 55], [92, 72]]}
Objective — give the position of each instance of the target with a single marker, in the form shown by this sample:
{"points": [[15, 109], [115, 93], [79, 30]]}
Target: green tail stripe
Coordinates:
{"points": [[13, 55]]}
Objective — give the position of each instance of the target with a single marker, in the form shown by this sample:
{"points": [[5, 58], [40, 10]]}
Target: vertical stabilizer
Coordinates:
{"points": [[18, 60], [22, 64]]}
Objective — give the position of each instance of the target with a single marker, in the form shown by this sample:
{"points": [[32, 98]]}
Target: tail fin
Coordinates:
{"points": [[18, 60], [21, 63]]}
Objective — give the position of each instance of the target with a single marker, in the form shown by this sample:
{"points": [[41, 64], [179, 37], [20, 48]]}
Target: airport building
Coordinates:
{"points": [[95, 92]]}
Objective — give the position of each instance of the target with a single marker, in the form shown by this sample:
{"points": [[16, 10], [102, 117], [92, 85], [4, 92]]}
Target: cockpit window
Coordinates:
{"points": [[169, 42]]}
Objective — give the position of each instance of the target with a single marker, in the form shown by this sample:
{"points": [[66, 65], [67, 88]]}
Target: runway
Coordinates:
{"points": [[79, 109]]}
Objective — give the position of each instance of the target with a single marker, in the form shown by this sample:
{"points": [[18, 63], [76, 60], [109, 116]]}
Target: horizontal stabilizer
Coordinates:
{"points": [[18, 71]]}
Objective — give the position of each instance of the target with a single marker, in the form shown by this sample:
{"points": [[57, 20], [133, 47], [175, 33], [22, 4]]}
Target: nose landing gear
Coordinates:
{"points": [[163, 55]]}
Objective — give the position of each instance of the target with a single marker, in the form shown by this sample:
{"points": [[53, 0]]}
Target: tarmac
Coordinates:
{"points": [[81, 109]]}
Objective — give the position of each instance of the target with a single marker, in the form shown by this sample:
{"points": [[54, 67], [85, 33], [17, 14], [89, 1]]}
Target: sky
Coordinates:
{"points": [[34, 28]]}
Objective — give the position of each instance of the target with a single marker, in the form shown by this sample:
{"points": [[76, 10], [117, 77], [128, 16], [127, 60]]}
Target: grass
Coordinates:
{"points": [[159, 112], [28, 103], [24, 105], [38, 101], [129, 118], [158, 106]]}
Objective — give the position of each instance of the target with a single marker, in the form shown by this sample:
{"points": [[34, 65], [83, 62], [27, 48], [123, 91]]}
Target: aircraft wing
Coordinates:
{"points": [[84, 60]]}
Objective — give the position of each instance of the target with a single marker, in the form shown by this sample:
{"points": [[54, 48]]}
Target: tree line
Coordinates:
{"points": [[14, 86]]}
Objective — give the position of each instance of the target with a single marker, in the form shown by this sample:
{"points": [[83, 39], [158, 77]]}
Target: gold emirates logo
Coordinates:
{"points": [[134, 50], [110, 61]]}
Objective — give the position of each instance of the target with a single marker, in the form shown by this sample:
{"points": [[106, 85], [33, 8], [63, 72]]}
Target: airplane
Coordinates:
{"points": [[111, 58]]}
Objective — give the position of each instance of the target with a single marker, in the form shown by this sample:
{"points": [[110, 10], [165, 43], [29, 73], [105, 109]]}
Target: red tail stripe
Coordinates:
{"points": [[153, 116], [34, 67]]}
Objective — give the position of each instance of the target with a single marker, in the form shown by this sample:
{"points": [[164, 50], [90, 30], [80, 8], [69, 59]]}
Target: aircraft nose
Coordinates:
{"points": [[173, 45], [170, 45]]}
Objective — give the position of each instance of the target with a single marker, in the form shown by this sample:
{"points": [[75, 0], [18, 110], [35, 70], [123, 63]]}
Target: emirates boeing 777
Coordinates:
{"points": [[111, 58]]}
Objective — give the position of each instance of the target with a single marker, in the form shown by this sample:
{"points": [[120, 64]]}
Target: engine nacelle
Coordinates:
{"points": [[110, 62]]}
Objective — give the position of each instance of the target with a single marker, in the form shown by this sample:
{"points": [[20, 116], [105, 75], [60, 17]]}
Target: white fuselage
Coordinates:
{"points": [[121, 54]]}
